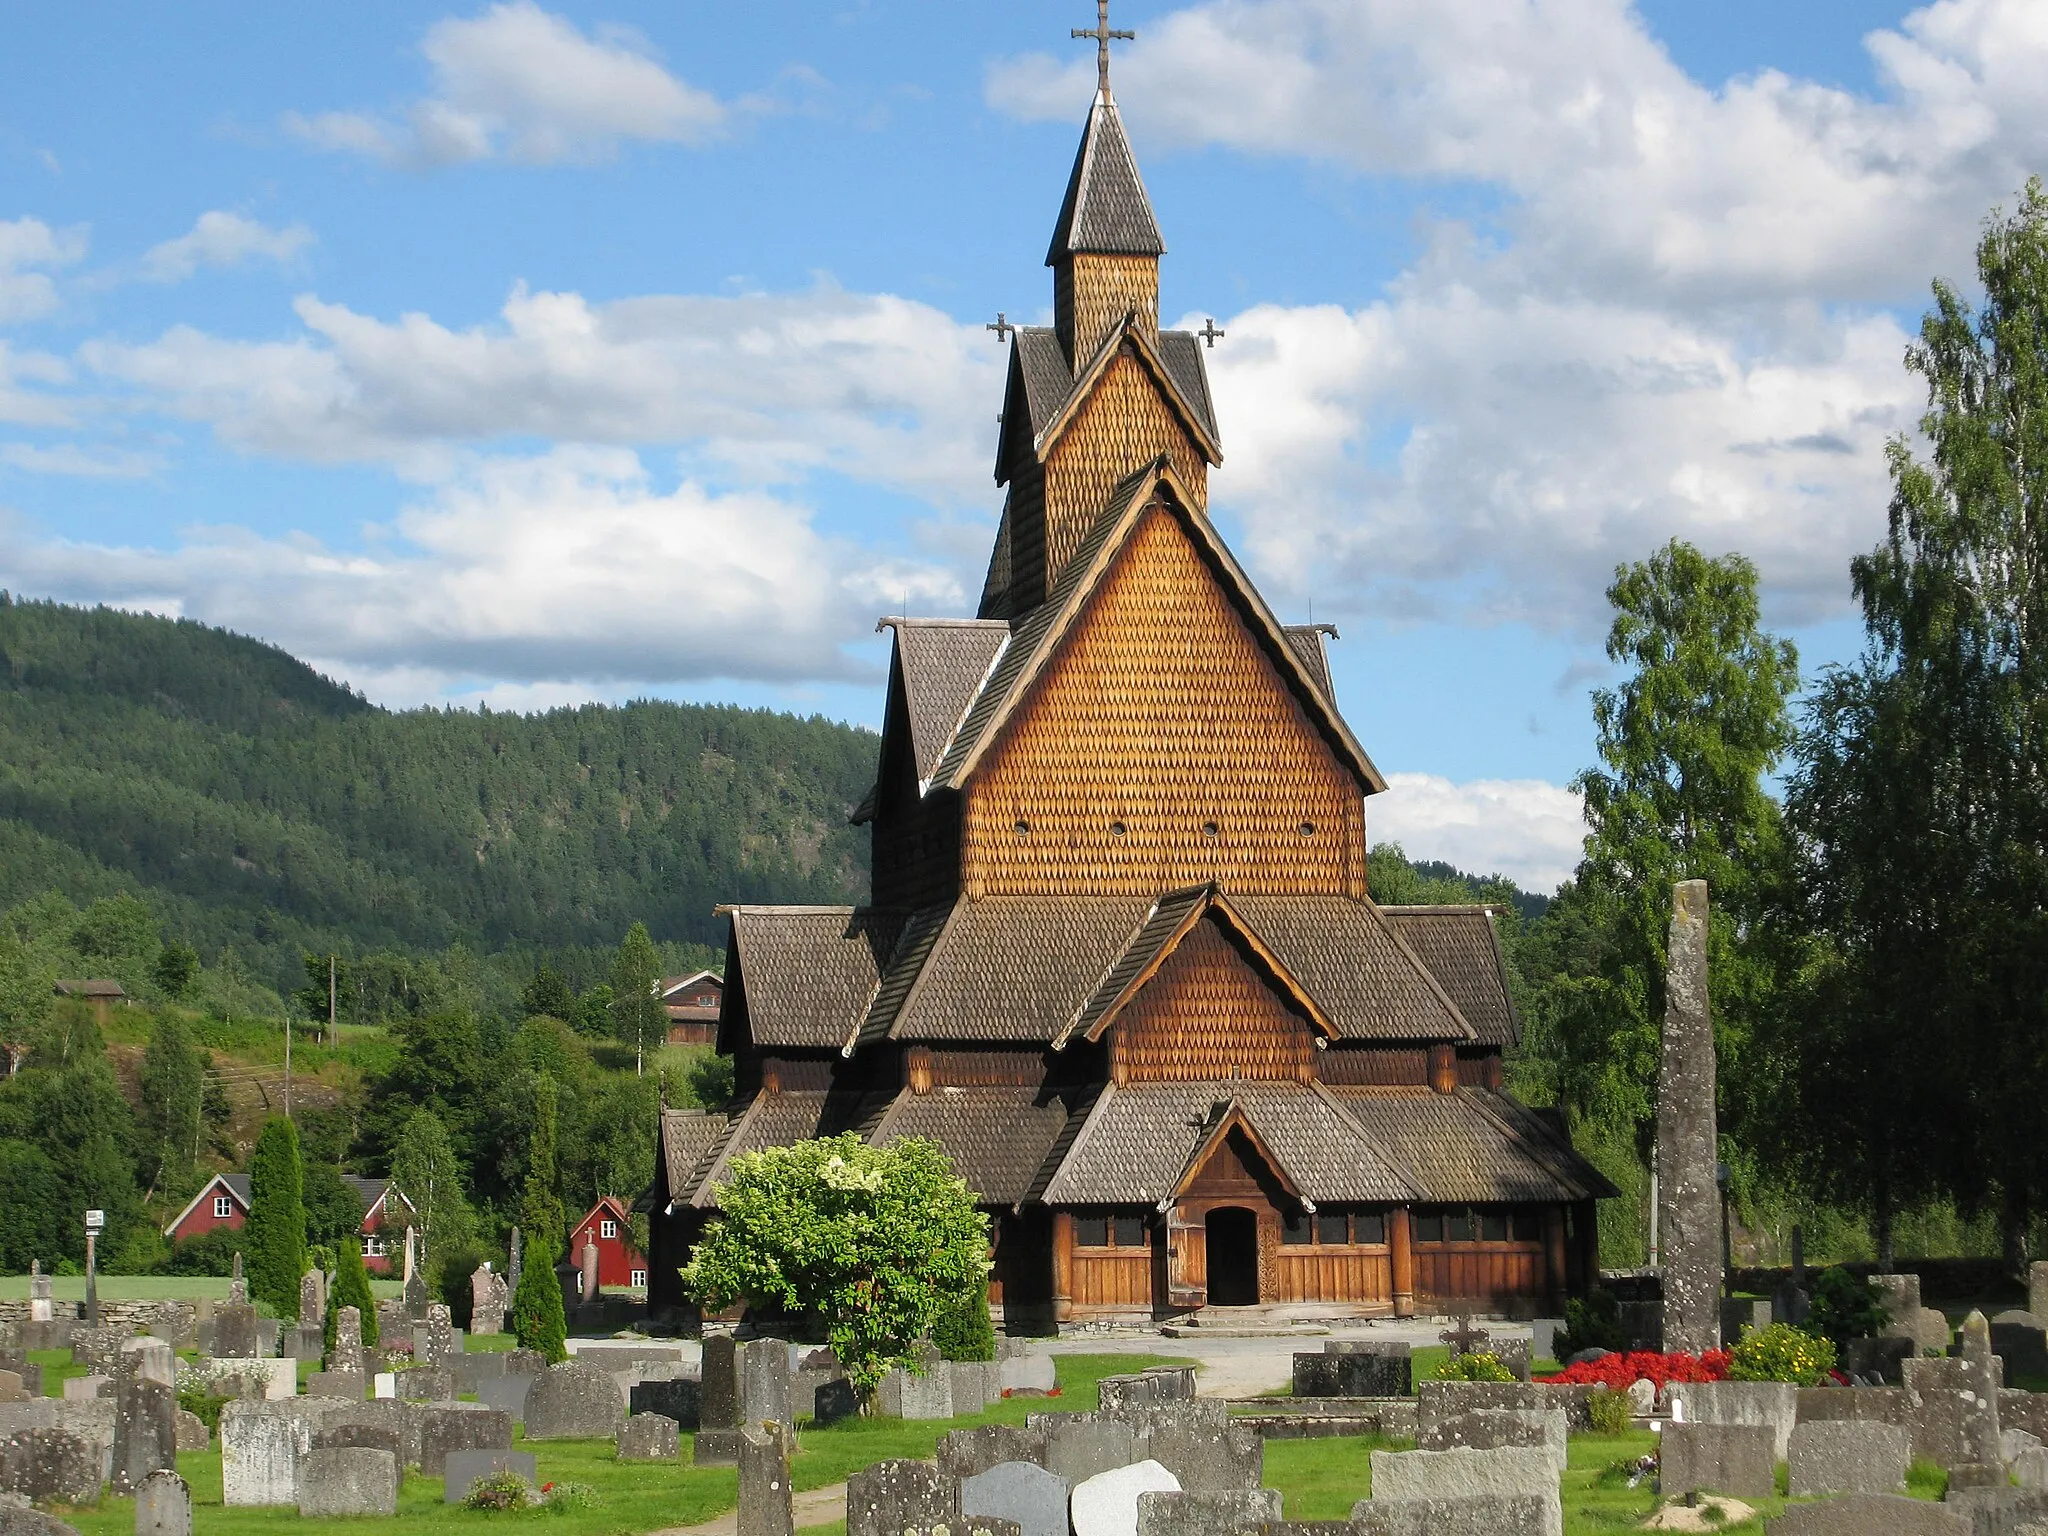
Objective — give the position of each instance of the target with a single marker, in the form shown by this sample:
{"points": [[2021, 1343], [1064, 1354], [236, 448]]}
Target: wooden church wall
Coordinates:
{"points": [[1162, 749], [1092, 293], [1209, 1015], [1125, 424]]}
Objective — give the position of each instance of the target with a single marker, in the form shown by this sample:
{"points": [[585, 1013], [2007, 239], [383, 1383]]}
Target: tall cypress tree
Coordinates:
{"points": [[540, 1208], [537, 1320], [351, 1289], [276, 1229]]}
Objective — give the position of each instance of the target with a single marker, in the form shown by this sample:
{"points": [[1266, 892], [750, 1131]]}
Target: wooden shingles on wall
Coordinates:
{"points": [[1162, 749], [1123, 426], [1209, 1016]]}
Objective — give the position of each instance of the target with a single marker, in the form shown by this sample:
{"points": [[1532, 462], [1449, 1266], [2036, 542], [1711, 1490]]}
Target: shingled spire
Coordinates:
{"points": [[1106, 247]]}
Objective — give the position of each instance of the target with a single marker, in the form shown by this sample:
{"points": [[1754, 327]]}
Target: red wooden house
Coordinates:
{"points": [[383, 1228], [619, 1263], [222, 1202]]}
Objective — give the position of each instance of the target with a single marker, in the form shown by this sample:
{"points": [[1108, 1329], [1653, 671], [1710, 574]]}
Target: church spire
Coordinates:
{"points": [[1106, 247]]}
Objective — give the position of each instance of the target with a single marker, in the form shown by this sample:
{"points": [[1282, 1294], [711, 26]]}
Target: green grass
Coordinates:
{"points": [[633, 1496]]}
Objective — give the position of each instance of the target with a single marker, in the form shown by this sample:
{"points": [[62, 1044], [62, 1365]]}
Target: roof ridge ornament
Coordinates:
{"points": [[1103, 37]]}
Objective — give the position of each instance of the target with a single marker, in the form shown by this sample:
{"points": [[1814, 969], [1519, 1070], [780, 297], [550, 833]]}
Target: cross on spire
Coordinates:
{"points": [[1210, 333], [1001, 327], [1103, 37]]}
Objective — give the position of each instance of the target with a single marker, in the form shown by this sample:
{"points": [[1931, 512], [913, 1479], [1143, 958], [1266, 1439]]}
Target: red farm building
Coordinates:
{"points": [[619, 1263], [222, 1202]]}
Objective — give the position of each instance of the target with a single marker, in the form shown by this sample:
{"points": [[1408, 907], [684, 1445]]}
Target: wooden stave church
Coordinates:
{"points": [[1120, 960]]}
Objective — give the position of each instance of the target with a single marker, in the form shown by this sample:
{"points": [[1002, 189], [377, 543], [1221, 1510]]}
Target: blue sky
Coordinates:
{"points": [[528, 354]]}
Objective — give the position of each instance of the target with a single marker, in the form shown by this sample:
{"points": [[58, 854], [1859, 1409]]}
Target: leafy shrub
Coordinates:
{"points": [[566, 1498], [195, 1399], [1609, 1411], [1845, 1306], [1781, 1353], [1476, 1366], [963, 1330], [498, 1491], [1592, 1321], [210, 1253]]}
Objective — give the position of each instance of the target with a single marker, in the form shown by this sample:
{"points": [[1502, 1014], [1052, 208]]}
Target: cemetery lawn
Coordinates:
{"points": [[632, 1497]]}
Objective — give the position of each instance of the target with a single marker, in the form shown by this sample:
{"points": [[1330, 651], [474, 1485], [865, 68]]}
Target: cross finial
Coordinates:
{"points": [[1002, 327], [1210, 334], [1103, 38]]}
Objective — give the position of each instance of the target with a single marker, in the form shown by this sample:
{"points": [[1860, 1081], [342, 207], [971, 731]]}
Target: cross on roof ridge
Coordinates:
{"points": [[1103, 37]]}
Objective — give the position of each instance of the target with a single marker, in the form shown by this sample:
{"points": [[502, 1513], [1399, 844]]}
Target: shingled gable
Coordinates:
{"points": [[1040, 403], [1105, 210], [941, 665], [795, 975], [1171, 919], [1033, 644]]}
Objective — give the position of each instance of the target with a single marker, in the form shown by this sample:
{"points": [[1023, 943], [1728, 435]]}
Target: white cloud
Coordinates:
{"points": [[220, 239], [1526, 829], [765, 387], [25, 400], [521, 84], [566, 567], [1681, 316], [79, 461], [29, 250]]}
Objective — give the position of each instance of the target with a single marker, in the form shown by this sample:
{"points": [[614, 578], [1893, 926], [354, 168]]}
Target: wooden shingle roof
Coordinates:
{"points": [[1043, 392], [996, 1138], [1462, 950], [1471, 1146], [1308, 642], [1105, 209], [943, 662], [804, 972]]}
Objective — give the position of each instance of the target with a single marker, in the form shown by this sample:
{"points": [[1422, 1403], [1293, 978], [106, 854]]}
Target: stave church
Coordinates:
{"points": [[1121, 959]]}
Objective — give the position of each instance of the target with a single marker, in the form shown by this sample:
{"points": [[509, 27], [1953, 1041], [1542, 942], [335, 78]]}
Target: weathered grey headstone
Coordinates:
{"points": [[1995, 1508], [473, 1366], [970, 1452], [1164, 1384], [347, 1384], [1735, 1459], [1461, 1473], [834, 1400], [238, 1287], [719, 1384], [163, 1505], [573, 1402], [259, 1455], [2018, 1340], [1026, 1374], [905, 1395], [424, 1384], [764, 1492], [1483, 1514], [39, 1303], [1866, 1513], [145, 1431], [355, 1480], [507, 1394], [443, 1430], [1981, 1381], [348, 1341], [524, 1362], [234, 1332], [648, 1437], [1440, 1400], [389, 1436], [1024, 1492], [1236, 1513], [193, 1435], [149, 1358], [1846, 1457], [488, 1301], [890, 1496], [83, 1389], [20, 1519], [763, 1372], [1107, 1503], [313, 1299], [433, 1341], [1496, 1429], [674, 1398], [1196, 1441], [53, 1466], [11, 1389], [1079, 1446], [1688, 1199], [465, 1467], [1774, 1404]]}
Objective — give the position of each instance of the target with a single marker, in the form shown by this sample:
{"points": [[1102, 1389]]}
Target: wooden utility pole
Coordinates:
{"points": [[330, 1001], [287, 1063]]}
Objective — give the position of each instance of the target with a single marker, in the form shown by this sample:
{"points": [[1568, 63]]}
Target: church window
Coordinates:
{"points": [[1308, 829], [1117, 830], [1210, 830], [1429, 1226], [1023, 828], [1332, 1227], [1368, 1227], [1129, 1231], [1296, 1229], [1091, 1231], [1493, 1226], [1458, 1227]]}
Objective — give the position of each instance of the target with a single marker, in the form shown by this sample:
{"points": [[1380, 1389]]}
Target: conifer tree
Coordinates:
{"points": [[351, 1289], [276, 1229], [540, 1208], [537, 1320]]}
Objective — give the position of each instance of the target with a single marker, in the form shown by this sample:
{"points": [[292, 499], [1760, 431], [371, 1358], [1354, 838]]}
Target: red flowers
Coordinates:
{"points": [[1621, 1371]]}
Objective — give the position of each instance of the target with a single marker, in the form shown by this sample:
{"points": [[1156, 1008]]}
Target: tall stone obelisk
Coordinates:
{"points": [[1688, 1199]]}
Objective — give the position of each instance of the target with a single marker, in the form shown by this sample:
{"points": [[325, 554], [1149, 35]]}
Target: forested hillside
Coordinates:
{"points": [[256, 804]]}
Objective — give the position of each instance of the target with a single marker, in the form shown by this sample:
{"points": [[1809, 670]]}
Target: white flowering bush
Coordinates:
{"points": [[876, 1241]]}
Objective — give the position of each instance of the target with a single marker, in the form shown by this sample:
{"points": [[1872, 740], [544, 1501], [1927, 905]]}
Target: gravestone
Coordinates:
{"points": [[1460, 1474], [163, 1505], [648, 1437], [587, 1271], [1688, 1198], [415, 1279], [1847, 1457], [764, 1493], [513, 1263], [718, 1401], [1863, 1514], [1497, 1429], [886, 1498], [1196, 1442], [1773, 1404], [763, 1372], [313, 1299], [348, 1384], [145, 1431], [426, 1385], [1483, 1514], [83, 1389], [2018, 1340], [1206, 1514], [507, 1394], [1021, 1491], [378, 1437], [834, 1400], [40, 1308], [238, 1288], [1735, 1459], [488, 1301], [970, 1452], [193, 1435], [353, 1480], [433, 1341], [676, 1398], [906, 1395], [1026, 1374], [234, 1332], [11, 1389], [348, 1341], [446, 1430], [1168, 1384], [573, 1402], [384, 1384], [149, 1358], [53, 1466], [259, 1455], [1079, 1446], [465, 1467], [524, 1362], [1981, 1381], [475, 1365], [1107, 1503]]}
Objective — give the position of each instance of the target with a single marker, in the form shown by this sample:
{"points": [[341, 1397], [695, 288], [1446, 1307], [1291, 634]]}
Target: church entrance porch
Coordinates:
{"points": [[1231, 1243]]}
